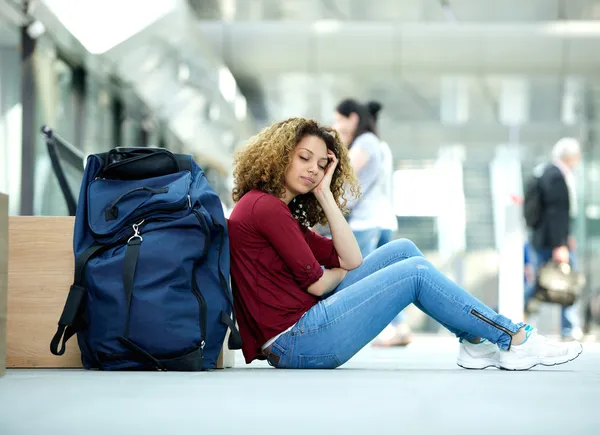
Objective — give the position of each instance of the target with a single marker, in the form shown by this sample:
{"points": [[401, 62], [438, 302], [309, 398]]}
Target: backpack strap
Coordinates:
{"points": [[235, 339], [132, 254], [71, 320]]}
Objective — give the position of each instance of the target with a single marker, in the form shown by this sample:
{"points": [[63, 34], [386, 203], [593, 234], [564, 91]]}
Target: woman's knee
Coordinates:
{"points": [[414, 267], [405, 246], [416, 264]]}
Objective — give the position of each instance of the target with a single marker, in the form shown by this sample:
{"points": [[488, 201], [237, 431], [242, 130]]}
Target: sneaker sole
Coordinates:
{"points": [[482, 364], [542, 363]]}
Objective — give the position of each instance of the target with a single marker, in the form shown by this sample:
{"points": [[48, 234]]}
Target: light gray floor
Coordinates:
{"points": [[416, 390]]}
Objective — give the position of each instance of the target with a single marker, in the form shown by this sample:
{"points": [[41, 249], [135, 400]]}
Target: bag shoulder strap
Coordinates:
{"points": [[235, 339], [70, 321]]}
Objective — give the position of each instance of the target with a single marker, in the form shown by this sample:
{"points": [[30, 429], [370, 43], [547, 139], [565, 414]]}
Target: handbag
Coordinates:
{"points": [[558, 283]]}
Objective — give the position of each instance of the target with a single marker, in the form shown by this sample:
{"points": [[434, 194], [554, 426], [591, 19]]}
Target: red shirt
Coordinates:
{"points": [[274, 260]]}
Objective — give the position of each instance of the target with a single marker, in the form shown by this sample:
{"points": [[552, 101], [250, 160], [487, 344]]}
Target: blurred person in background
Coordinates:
{"points": [[552, 236], [529, 282], [388, 220], [398, 333], [356, 126]]}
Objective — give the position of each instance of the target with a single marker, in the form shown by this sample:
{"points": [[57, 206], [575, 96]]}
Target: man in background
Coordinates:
{"points": [[552, 237]]}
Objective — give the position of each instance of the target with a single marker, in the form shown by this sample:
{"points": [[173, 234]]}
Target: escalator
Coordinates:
{"points": [[62, 154]]}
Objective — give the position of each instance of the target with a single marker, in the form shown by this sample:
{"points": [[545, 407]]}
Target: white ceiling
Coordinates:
{"points": [[398, 10], [301, 57], [288, 61]]}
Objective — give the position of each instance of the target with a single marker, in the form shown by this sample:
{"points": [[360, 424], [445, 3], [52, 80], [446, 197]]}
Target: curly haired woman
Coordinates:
{"points": [[305, 301]]}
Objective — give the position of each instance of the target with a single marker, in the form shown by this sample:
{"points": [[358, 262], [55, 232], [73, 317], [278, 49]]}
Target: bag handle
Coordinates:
{"points": [[112, 212]]}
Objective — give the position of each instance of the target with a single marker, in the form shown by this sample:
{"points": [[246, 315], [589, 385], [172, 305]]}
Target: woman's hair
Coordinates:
{"points": [[367, 115], [374, 107], [262, 164]]}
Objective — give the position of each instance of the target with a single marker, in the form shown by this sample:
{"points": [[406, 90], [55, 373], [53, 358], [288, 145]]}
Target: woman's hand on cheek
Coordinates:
{"points": [[325, 184]]}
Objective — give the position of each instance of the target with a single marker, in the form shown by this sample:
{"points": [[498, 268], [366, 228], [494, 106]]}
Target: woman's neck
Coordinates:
{"points": [[288, 197]]}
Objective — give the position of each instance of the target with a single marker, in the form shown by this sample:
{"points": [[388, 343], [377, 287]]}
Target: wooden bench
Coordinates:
{"points": [[40, 273], [3, 277]]}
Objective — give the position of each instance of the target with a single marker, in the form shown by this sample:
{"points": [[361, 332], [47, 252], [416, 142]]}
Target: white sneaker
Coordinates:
{"points": [[538, 350], [477, 356]]}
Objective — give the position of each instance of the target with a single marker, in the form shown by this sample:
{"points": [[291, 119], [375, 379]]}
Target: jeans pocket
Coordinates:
{"points": [[329, 361]]}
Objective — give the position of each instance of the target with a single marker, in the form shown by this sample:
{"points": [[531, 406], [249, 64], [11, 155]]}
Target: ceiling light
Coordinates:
{"points": [[327, 26], [101, 25]]}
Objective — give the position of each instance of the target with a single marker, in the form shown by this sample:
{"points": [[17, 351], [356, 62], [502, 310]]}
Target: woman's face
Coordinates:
{"points": [[307, 167], [346, 126]]}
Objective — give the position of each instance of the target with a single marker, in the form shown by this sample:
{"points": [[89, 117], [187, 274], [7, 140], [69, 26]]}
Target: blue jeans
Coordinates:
{"points": [[370, 296], [385, 237], [367, 240], [528, 292], [569, 317]]}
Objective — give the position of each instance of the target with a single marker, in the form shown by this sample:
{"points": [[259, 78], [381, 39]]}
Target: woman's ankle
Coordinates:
{"points": [[519, 337]]}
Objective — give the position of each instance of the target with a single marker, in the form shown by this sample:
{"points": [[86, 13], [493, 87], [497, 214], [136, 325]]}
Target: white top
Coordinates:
{"points": [[272, 340], [364, 212], [388, 219]]}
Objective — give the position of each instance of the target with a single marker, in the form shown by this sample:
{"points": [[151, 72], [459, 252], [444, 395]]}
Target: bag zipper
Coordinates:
{"points": [[195, 288], [182, 204], [202, 304]]}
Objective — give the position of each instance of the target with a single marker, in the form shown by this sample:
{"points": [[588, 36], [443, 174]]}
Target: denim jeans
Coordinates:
{"points": [[367, 240], [370, 296], [385, 237], [528, 292], [569, 316]]}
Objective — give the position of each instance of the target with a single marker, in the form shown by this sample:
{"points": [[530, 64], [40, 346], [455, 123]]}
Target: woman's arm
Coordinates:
{"points": [[343, 239], [329, 281]]}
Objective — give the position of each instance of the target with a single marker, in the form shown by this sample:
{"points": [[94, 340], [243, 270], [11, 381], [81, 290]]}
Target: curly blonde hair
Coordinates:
{"points": [[262, 164]]}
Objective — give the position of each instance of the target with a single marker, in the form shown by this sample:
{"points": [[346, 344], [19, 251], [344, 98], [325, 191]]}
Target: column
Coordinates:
{"points": [[507, 189], [454, 103], [10, 126], [29, 129], [451, 219]]}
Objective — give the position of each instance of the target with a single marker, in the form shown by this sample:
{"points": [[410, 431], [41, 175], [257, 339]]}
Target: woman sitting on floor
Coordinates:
{"points": [[305, 301]]}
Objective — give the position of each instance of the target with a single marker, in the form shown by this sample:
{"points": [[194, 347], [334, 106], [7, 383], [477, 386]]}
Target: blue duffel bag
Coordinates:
{"points": [[151, 288]]}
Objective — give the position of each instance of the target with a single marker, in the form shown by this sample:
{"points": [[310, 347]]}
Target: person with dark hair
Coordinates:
{"points": [[305, 301], [389, 221], [398, 333], [356, 125]]}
